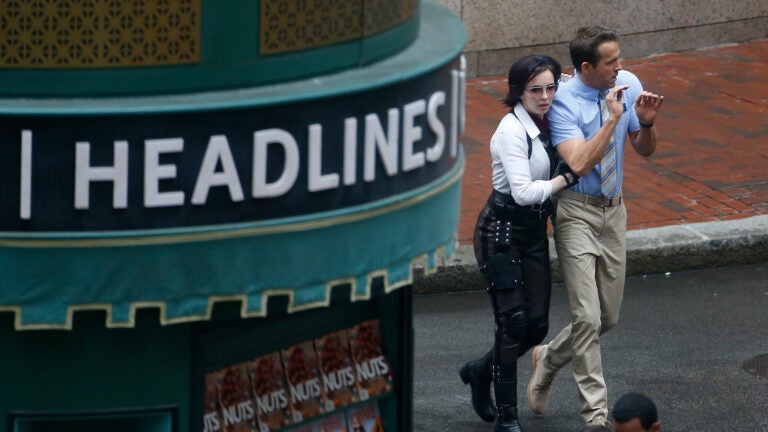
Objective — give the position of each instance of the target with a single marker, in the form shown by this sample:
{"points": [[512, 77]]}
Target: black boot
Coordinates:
{"points": [[478, 374], [510, 422], [505, 387]]}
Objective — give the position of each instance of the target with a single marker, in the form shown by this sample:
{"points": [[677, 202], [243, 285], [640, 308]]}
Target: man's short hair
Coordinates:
{"points": [[585, 46], [633, 405]]}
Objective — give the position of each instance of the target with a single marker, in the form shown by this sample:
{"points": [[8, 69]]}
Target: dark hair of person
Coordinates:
{"points": [[524, 70], [585, 46], [633, 405]]}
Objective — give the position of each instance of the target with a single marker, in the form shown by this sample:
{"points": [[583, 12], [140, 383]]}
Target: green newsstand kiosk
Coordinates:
{"points": [[212, 211]]}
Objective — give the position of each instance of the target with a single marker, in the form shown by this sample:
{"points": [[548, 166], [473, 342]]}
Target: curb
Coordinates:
{"points": [[649, 251]]}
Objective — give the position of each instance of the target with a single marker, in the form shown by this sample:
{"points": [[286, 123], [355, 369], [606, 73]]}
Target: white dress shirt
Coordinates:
{"points": [[513, 173]]}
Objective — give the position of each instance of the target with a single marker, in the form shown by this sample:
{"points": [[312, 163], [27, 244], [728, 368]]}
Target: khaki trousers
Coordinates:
{"points": [[591, 245]]}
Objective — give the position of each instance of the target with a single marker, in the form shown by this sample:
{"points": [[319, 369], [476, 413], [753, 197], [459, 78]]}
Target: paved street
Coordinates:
{"points": [[683, 339]]}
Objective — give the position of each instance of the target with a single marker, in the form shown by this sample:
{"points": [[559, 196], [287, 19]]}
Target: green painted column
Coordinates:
{"points": [[190, 189]]}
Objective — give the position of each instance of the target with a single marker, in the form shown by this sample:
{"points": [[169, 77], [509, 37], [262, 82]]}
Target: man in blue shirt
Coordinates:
{"points": [[590, 119]]}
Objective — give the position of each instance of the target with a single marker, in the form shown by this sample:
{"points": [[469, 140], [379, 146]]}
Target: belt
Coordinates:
{"points": [[590, 199], [506, 207]]}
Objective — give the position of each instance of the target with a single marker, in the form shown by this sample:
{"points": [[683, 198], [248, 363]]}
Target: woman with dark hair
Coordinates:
{"points": [[510, 240]]}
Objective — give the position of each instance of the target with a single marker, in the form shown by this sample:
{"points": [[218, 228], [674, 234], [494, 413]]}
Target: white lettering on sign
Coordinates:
{"points": [[269, 403], [411, 134], [261, 139], [217, 152], [389, 147], [372, 368], [339, 379], [85, 174], [455, 102], [305, 390], [385, 144], [236, 414], [350, 151], [211, 422], [154, 172], [25, 195], [318, 181], [436, 151]]}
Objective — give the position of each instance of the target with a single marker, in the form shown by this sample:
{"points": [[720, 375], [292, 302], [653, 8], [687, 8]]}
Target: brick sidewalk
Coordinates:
{"points": [[711, 162]]}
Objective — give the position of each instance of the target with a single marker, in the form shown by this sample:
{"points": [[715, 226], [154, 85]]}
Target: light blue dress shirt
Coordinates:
{"points": [[575, 113]]}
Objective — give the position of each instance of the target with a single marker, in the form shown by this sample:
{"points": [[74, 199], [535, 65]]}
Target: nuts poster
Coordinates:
{"points": [[337, 369], [304, 381], [313, 386], [374, 375], [270, 392], [211, 412], [235, 399]]}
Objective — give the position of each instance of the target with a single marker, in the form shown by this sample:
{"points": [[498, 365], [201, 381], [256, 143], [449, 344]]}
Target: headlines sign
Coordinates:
{"points": [[95, 172]]}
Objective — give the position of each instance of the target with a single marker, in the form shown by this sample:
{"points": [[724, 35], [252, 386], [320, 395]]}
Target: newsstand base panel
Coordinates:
{"points": [[152, 377]]}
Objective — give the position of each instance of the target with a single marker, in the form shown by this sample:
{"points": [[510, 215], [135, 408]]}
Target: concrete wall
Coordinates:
{"points": [[500, 31]]}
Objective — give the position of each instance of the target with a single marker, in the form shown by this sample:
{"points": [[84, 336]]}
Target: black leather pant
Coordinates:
{"points": [[512, 250], [521, 311]]}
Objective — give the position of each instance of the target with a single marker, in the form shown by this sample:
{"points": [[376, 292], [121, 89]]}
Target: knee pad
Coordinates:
{"points": [[537, 329], [514, 324], [503, 272]]}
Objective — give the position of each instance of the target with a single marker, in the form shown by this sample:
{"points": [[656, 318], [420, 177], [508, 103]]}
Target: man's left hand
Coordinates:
{"points": [[647, 106]]}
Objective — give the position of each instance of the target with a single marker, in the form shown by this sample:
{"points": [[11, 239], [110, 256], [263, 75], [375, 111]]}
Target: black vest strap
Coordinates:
{"points": [[554, 158]]}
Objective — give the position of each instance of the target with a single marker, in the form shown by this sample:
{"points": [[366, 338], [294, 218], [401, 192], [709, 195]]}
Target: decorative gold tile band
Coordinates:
{"points": [[46, 34], [294, 25]]}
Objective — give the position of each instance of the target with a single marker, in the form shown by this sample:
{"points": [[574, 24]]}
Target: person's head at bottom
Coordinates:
{"points": [[635, 412]]}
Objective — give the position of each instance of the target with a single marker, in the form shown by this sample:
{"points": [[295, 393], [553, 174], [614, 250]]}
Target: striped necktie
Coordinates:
{"points": [[608, 181]]}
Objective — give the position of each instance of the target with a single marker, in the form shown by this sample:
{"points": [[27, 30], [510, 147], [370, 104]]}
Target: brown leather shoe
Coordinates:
{"points": [[540, 384], [598, 424]]}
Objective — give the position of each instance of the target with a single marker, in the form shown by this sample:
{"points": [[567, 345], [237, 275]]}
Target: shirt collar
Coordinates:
{"points": [[525, 119], [586, 91]]}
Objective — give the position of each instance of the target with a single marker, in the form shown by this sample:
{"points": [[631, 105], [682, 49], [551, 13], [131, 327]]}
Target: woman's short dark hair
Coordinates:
{"points": [[585, 47], [525, 69]]}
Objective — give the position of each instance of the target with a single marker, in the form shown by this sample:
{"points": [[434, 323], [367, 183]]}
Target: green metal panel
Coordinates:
{"points": [[94, 368], [148, 366], [92, 375], [139, 421]]}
